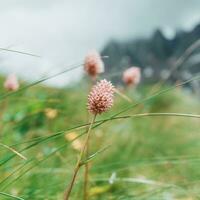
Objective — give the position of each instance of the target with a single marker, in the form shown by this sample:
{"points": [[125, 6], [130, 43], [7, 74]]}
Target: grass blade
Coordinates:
{"points": [[14, 151], [20, 52], [11, 196]]}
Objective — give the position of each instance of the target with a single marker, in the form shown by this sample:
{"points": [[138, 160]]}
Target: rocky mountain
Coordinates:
{"points": [[157, 56]]}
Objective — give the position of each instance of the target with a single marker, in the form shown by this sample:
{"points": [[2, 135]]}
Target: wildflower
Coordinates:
{"points": [[51, 113], [132, 76], [11, 83], [93, 64], [100, 98]]}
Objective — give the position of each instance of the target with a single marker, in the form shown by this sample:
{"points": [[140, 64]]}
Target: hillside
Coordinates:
{"points": [[155, 55], [148, 158]]}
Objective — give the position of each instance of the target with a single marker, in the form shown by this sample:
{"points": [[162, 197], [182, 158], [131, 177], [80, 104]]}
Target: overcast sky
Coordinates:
{"points": [[63, 31]]}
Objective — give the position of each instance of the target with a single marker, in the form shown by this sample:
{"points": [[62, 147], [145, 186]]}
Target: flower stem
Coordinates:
{"points": [[79, 162], [86, 172], [123, 96], [86, 178]]}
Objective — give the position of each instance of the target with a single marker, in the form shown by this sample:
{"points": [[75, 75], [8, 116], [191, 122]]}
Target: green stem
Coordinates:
{"points": [[86, 177], [79, 162]]}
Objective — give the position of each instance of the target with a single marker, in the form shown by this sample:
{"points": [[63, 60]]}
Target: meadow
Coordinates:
{"points": [[133, 155]]}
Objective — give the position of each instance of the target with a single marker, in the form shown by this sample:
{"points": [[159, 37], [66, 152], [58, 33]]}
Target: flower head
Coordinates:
{"points": [[11, 83], [93, 64], [100, 98], [132, 76]]}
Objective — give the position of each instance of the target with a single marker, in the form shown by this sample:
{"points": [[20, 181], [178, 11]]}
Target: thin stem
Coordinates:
{"points": [[86, 166], [79, 162], [86, 175], [13, 150], [99, 122], [123, 96], [157, 114], [10, 195], [69, 68], [15, 51]]}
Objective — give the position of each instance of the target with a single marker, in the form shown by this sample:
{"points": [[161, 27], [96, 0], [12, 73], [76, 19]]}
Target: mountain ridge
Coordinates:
{"points": [[155, 55]]}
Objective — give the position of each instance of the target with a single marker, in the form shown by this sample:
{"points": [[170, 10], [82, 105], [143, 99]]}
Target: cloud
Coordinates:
{"points": [[62, 32]]}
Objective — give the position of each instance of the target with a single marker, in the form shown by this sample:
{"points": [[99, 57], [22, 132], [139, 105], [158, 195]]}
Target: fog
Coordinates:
{"points": [[62, 32]]}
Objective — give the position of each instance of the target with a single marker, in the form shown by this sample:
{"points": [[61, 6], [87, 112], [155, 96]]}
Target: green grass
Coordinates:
{"points": [[152, 157]]}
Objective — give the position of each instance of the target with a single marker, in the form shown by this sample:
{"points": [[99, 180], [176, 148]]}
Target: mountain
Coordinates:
{"points": [[156, 56]]}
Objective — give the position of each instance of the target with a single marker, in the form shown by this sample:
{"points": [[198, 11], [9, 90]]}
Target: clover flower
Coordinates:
{"points": [[132, 76], [100, 99], [93, 64], [11, 83]]}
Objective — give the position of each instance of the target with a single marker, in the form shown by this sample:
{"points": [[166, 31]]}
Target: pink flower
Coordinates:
{"points": [[132, 76], [11, 83], [100, 98], [93, 64]]}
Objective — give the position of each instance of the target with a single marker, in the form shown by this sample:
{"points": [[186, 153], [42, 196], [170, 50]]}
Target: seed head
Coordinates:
{"points": [[100, 99], [93, 64], [11, 83], [132, 76]]}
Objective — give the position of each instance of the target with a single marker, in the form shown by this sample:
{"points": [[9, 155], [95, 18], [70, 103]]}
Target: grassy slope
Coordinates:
{"points": [[160, 149]]}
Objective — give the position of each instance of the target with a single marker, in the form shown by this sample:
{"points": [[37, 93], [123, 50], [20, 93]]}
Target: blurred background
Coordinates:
{"points": [[139, 157], [151, 34]]}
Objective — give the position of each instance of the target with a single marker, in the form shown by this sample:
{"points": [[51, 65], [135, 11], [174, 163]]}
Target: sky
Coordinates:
{"points": [[63, 31]]}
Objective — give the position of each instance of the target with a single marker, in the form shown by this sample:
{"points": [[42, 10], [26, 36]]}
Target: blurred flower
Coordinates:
{"points": [[51, 113], [93, 64], [76, 144], [11, 83], [100, 98], [132, 76]]}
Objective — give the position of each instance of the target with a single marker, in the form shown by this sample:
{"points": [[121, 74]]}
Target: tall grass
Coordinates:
{"points": [[152, 154]]}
